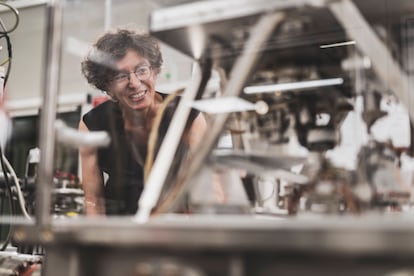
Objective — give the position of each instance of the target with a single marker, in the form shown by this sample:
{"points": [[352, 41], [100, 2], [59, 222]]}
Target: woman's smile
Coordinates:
{"points": [[138, 95]]}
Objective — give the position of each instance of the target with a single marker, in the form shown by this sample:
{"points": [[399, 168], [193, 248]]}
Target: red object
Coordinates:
{"points": [[31, 269], [97, 100]]}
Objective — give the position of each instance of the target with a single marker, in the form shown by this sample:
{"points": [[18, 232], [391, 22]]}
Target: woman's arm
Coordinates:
{"points": [[92, 179], [197, 131]]}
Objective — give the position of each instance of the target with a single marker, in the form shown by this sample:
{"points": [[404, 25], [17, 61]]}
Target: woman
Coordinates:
{"points": [[125, 65]]}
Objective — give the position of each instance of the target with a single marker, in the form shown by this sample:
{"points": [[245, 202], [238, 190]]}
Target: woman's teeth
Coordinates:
{"points": [[138, 95]]}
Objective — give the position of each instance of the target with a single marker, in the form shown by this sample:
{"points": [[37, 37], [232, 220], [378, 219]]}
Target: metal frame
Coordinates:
{"points": [[66, 239], [195, 13], [367, 234]]}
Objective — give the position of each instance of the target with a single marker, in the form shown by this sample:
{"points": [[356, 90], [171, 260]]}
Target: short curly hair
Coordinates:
{"points": [[99, 66]]}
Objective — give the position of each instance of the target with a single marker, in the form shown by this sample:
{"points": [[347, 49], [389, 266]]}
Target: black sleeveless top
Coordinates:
{"points": [[125, 175]]}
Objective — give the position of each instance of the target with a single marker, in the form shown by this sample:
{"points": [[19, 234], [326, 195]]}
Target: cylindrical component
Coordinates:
{"points": [[48, 113]]}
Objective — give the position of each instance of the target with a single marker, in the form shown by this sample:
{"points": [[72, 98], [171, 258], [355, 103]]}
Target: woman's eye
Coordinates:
{"points": [[121, 77]]}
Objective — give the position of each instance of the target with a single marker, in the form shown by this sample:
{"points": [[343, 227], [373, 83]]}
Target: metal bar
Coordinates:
{"points": [[48, 113], [370, 44], [108, 15], [367, 233], [167, 151], [74, 138], [197, 13]]}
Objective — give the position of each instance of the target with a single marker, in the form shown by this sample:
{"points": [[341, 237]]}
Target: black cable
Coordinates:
{"points": [[9, 191], [5, 34], [16, 13], [10, 54]]}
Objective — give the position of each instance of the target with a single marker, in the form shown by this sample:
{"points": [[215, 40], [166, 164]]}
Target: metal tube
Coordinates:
{"points": [[168, 148], [108, 15], [74, 138], [48, 113]]}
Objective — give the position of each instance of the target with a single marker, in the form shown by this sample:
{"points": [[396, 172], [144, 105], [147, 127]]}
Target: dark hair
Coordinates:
{"points": [[99, 66]]}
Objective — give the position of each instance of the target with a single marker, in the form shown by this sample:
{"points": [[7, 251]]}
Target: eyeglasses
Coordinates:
{"points": [[142, 73]]}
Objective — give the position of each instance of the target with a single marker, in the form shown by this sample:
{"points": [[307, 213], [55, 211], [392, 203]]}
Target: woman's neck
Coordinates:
{"points": [[141, 118]]}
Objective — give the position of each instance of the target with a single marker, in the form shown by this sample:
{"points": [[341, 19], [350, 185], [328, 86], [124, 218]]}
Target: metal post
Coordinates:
{"points": [[108, 15], [168, 148], [48, 113]]}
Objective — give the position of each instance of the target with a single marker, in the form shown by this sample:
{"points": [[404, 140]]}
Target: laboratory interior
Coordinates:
{"points": [[207, 138]]}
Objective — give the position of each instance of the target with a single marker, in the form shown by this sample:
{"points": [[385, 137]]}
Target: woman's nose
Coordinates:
{"points": [[133, 80]]}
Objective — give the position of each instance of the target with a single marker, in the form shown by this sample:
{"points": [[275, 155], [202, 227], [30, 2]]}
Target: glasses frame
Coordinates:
{"points": [[119, 78]]}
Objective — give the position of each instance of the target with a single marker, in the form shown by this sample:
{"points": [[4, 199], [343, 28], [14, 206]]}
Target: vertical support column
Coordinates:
{"points": [[48, 113], [108, 15]]}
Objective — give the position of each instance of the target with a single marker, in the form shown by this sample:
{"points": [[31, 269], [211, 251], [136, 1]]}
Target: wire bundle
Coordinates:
{"points": [[5, 165]]}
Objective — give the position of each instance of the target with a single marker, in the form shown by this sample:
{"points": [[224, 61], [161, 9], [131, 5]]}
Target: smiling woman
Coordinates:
{"points": [[126, 69], [134, 91]]}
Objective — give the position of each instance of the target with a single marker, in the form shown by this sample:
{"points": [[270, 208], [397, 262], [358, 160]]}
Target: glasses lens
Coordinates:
{"points": [[121, 78], [143, 73]]}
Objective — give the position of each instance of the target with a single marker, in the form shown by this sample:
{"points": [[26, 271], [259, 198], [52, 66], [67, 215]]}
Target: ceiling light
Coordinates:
{"points": [[292, 86]]}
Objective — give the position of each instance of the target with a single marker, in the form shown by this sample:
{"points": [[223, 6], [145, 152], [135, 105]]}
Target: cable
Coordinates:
{"points": [[16, 13], [152, 140], [20, 197], [5, 34], [4, 62], [9, 59], [8, 187], [3, 160]]}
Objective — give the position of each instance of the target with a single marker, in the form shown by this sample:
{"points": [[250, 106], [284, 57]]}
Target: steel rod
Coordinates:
{"points": [[48, 112]]}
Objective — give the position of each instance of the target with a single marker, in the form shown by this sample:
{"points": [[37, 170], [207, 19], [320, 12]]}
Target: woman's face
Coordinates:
{"points": [[133, 90]]}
